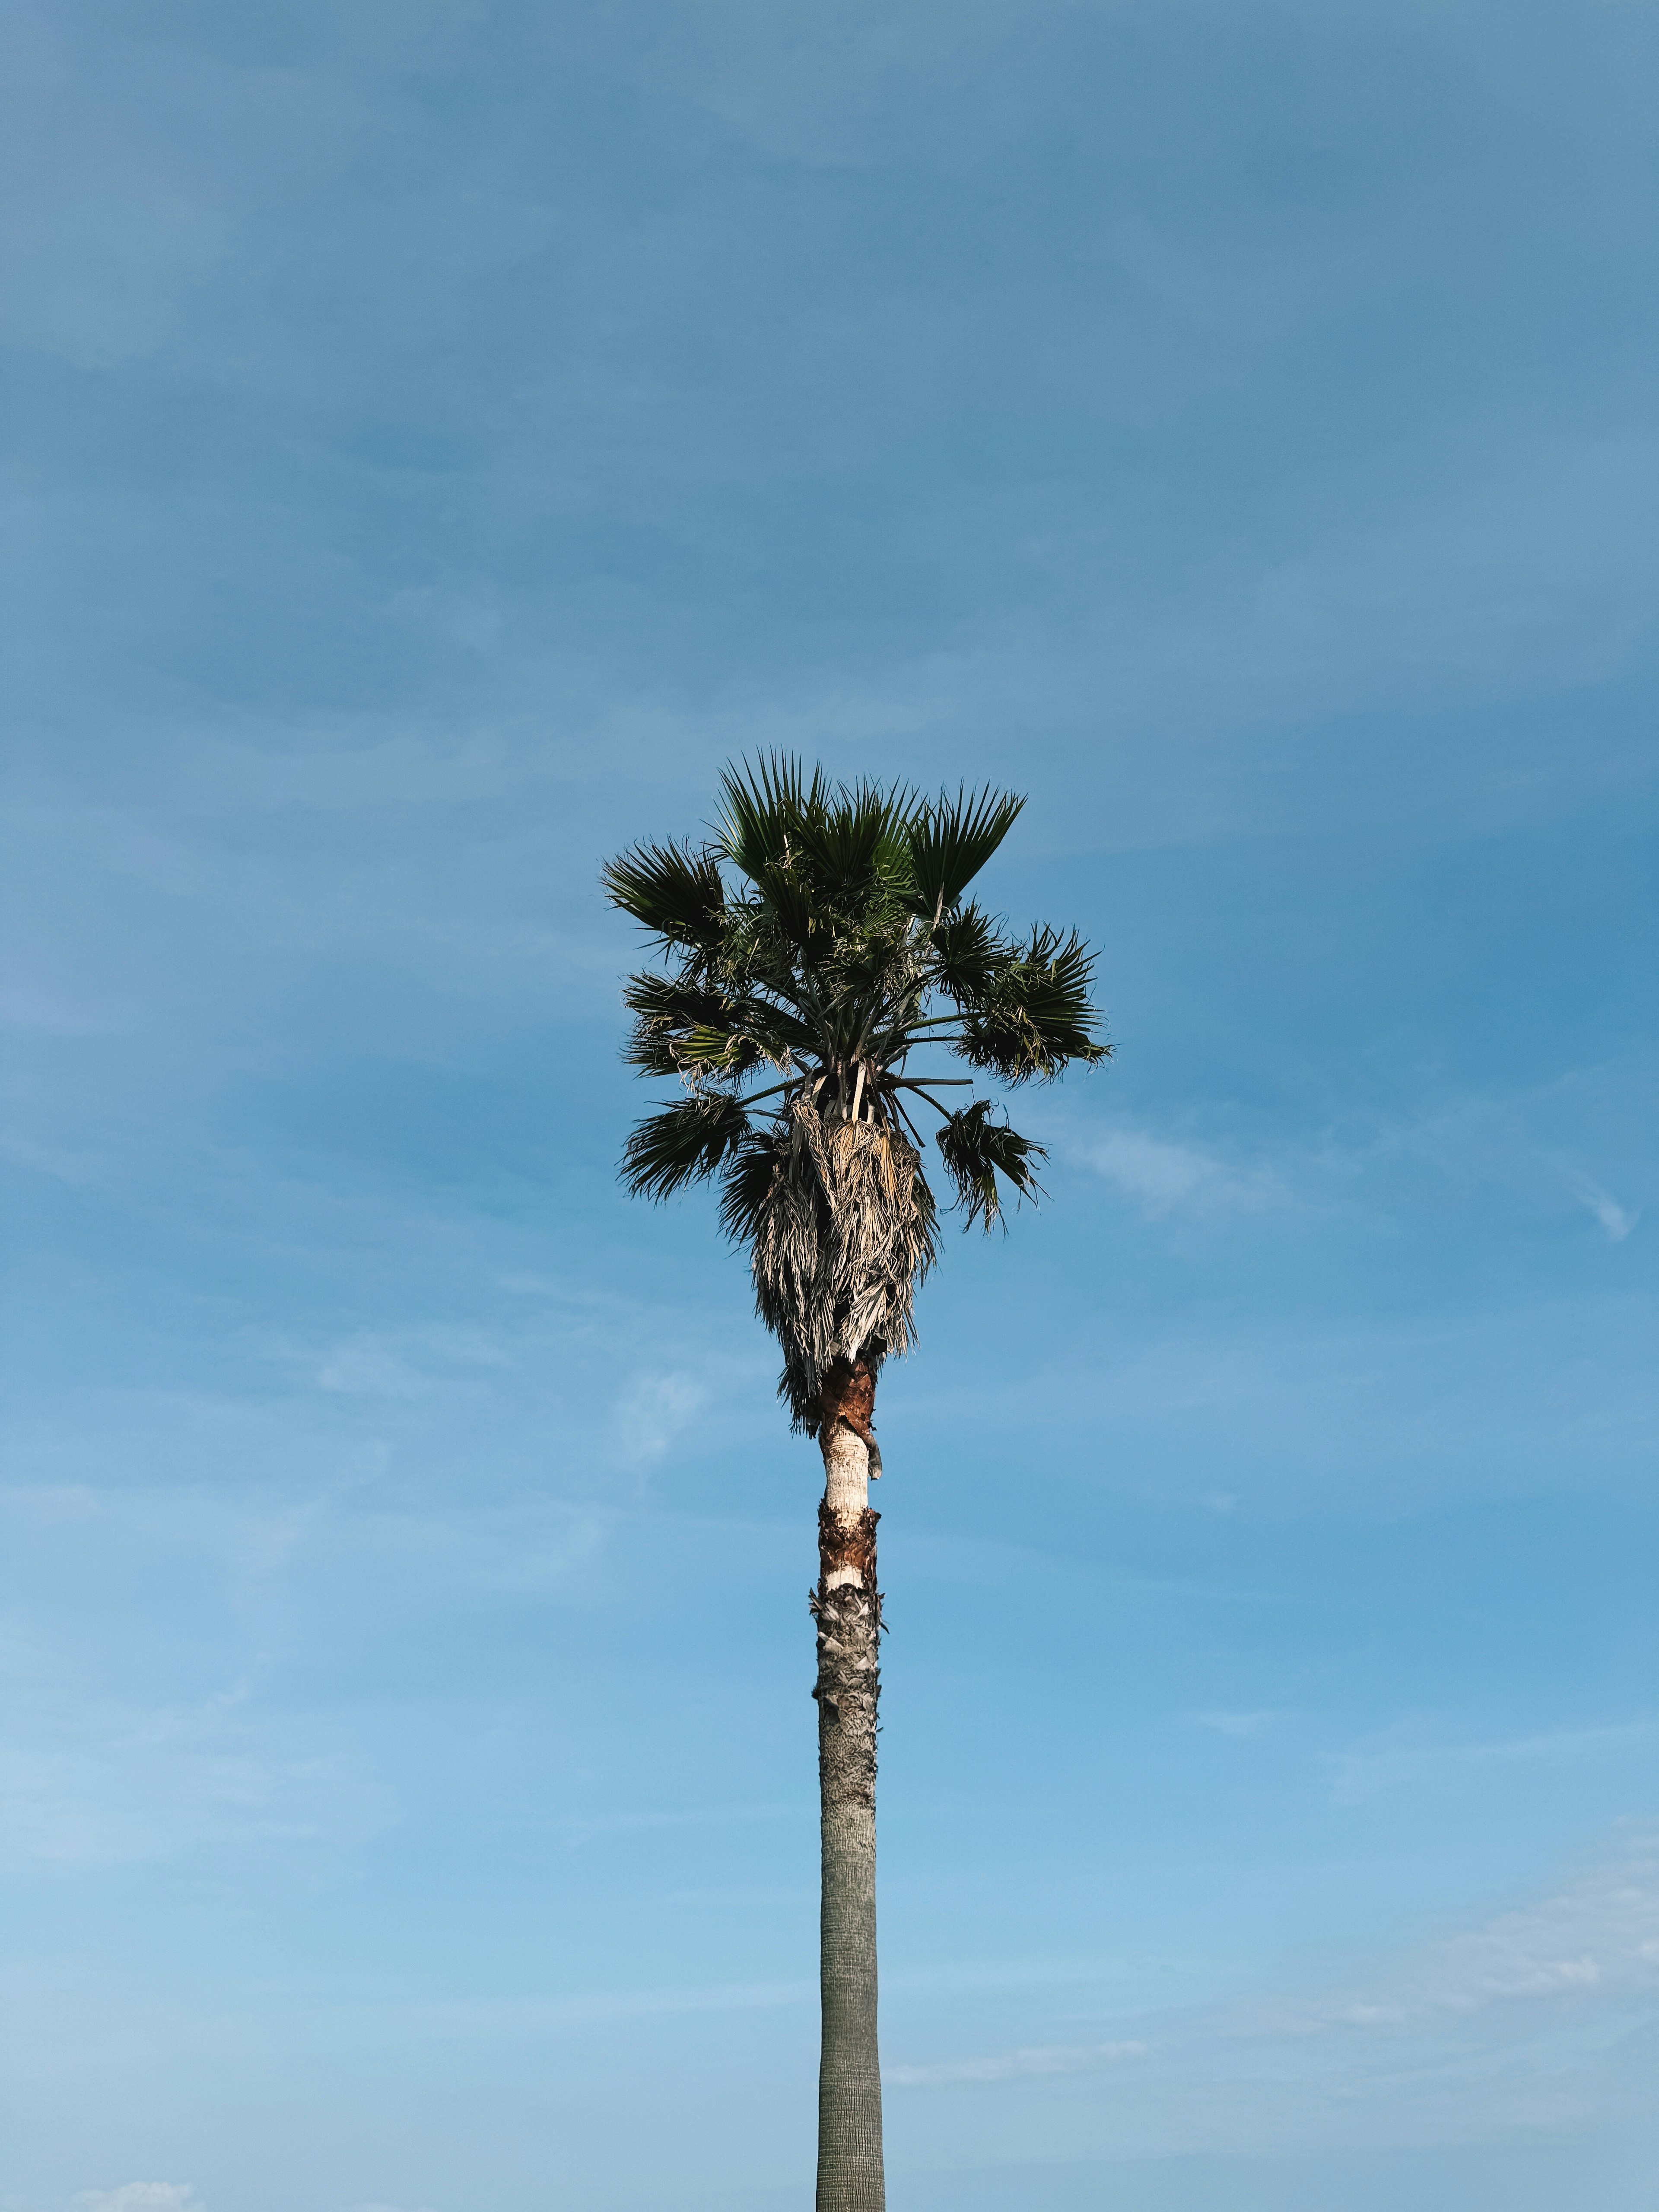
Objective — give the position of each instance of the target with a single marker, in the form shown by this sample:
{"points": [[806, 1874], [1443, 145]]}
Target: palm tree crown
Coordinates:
{"points": [[821, 936]]}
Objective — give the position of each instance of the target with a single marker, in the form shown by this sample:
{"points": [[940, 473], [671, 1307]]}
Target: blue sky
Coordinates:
{"points": [[441, 434]]}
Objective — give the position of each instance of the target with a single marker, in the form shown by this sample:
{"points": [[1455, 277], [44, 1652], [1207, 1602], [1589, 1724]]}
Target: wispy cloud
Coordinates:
{"points": [[1514, 2019], [1404, 1757], [582, 1829], [1162, 1178], [154, 1790], [1015, 2066], [1527, 1148], [1596, 1934], [517, 2016], [1240, 1726], [411, 1364], [1616, 1220], [1519, 1147], [653, 1411]]}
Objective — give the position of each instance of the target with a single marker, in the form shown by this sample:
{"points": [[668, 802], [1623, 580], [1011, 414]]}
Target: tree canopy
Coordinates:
{"points": [[819, 936]]}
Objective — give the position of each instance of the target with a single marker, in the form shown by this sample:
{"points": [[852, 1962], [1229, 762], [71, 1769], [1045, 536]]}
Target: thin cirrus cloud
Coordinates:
{"points": [[652, 1412], [1164, 1178], [1407, 1757], [1507, 1146], [1529, 2010], [1596, 1936], [1242, 1727], [1015, 2066], [1618, 1221], [582, 1829]]}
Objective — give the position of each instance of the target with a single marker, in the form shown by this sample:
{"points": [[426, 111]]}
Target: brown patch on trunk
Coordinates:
{"points": [[848, 1544], [847, 1395]]}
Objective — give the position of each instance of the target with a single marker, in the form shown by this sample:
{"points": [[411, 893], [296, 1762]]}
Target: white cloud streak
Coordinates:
{"points": [[1406, 1758], [1521, 1148], [1527, 2014], [1164, 1178], [1595, 1936], [579, 1829], [1243, 1726], [1616, 1220], [1015, 2066], [652, 1412]]}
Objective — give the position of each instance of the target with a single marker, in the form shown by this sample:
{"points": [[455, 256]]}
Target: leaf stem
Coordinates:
{"points": [[755, 1097], [933, 1103]]}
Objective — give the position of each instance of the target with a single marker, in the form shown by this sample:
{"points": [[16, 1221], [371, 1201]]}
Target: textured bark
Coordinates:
{"points": [[848, 1609], [848, 1394]]}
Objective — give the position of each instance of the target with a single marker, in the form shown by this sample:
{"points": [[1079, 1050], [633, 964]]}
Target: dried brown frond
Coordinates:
{"points": [[842, 1236]]}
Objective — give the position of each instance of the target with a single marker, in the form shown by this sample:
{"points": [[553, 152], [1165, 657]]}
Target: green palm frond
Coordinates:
{"points": [[857, 840], [683, 1144], [1038, 1017], [970, 956], [949, 841], [977, 1150], [671, 1002], [790, 900], [763, 808], [683, 1029], [675, 890], [651, 1051]]}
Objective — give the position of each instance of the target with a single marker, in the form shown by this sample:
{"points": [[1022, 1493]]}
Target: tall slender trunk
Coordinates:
{"points": [[848, 1609]]}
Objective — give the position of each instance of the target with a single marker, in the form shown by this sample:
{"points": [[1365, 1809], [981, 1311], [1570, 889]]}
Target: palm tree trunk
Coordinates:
{"points": [[848, 1609]]}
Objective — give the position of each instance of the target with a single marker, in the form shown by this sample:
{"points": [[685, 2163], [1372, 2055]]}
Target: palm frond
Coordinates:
{"points": [[1038, 1017], [651, 1051], [675, 890], [854, 840], [673, 1002], [746, 1185], [977, 1150], [970, 957], [683, 1029], [949, 841], [761, 809], [683, 1144], [794, 905]]}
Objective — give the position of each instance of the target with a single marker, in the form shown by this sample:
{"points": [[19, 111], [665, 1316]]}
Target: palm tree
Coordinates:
{"points": [[809, 940]]}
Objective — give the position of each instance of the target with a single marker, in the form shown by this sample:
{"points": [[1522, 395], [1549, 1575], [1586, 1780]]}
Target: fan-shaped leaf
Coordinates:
{"points": [[793, 902], [949, 841], [855, 841], [1037, 1017], [674, 889], [681, 1145], [977, 1150], [763, 808], [970, 956]]}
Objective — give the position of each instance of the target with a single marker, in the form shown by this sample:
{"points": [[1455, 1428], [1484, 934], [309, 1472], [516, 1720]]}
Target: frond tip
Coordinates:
{"points": [[977, 1150], [1035, 1018], [949, 841], [683, 1144], [674, 889]]}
